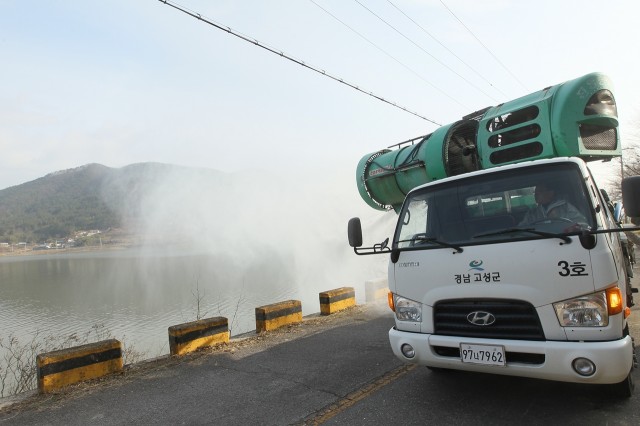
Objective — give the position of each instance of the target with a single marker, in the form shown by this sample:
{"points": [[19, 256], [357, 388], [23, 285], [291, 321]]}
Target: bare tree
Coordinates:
{"points": [[629, 163]]}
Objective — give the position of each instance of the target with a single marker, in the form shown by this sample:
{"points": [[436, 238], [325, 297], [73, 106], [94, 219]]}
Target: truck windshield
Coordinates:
{"points": [[533, 202]]}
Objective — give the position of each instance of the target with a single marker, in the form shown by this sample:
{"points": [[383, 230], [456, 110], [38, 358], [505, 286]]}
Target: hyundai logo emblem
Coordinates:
{"points": [[481, 318]]}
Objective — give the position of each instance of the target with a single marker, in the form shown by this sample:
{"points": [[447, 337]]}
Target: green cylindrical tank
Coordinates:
{"points": [[388, 175], [575, 118], [385, 177]]}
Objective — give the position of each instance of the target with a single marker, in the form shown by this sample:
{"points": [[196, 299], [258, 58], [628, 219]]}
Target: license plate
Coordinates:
{"points": [[482, 354]]}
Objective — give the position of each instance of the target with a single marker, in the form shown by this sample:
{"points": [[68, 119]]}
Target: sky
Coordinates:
{"points": [[118, 82]]}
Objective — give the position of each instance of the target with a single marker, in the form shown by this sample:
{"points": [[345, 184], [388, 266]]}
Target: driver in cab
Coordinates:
{"points": [[550, 206]]}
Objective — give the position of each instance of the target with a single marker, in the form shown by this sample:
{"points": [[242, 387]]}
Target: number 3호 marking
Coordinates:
{"points": [[576, 269]]}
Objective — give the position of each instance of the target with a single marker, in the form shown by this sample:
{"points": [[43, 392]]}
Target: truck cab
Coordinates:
{"points": [[484, 279], [506, 257]]}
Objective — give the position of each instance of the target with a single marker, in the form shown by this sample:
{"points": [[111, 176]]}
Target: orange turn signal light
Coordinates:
{"points": [[614, 300], [390, 301]]}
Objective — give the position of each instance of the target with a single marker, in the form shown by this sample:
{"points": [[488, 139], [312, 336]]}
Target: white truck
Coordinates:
{"points": [[509, 262]]}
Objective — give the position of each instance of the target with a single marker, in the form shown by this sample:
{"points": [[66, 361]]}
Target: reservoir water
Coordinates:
{"points": [[135, 295]]}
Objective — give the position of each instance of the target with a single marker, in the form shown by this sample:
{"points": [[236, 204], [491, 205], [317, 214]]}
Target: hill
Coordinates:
{"points": [[89, 197]]}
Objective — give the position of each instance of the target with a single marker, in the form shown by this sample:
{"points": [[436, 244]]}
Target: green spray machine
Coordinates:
{"points": [[577, 118]]}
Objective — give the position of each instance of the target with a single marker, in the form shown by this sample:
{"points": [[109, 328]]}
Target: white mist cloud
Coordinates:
{"points": [[265, 232]]}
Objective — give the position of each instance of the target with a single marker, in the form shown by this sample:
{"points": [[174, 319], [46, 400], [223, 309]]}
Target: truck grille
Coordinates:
{"points": [[514, 319]]}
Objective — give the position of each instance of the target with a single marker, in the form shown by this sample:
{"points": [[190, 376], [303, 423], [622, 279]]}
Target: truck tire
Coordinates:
{"points": [[625, 388]]}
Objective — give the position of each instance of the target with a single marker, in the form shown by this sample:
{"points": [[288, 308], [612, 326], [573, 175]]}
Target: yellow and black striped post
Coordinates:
{"points": [[336, 300], [191, 336], [64, 367], [273, 316]]}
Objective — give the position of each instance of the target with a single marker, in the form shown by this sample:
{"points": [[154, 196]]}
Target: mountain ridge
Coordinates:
{"points": [[92, 196]]}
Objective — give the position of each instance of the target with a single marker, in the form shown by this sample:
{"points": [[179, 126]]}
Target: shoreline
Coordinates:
{"points": [[32, 252]]}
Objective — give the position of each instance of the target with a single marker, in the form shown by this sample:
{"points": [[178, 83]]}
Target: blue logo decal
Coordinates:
{"points": [[476, 265]]}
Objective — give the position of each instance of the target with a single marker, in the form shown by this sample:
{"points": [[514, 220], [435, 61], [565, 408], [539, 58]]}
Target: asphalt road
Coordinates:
{"points": [[337, 370]]}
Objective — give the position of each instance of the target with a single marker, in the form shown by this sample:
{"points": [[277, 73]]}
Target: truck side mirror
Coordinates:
{"points": [[355, 232], [631, 195]]}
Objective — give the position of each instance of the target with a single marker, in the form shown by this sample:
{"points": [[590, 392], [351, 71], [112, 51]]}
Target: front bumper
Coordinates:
{"points": [[549, 360]]}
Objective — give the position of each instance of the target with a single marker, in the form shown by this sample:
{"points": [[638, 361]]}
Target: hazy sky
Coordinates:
{"points": [[120, 81]]}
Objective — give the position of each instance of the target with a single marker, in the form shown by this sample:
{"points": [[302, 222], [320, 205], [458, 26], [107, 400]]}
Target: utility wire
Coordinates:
{"points": [[425, 51], [283, 55], [445, 47], [485, 47], [390, 56]]}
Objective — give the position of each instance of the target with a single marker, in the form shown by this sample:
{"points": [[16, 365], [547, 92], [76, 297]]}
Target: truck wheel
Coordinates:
{"points": [[625, 388]]}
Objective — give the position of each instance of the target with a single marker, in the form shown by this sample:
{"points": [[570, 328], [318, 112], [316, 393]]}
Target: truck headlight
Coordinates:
{"points": [[584, 311], [407, 309]]}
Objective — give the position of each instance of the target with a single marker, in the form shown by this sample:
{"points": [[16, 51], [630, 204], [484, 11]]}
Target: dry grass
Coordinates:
{"points": [[18, 370]]}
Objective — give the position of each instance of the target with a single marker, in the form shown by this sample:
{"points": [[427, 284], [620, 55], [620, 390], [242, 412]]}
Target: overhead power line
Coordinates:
{"points": [[426, 51], [446, 48], [390, 55], [485, 47], [290, 58]]}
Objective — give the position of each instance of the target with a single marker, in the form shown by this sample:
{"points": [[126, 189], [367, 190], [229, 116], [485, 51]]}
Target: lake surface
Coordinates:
{"points": [[135, 295]]}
